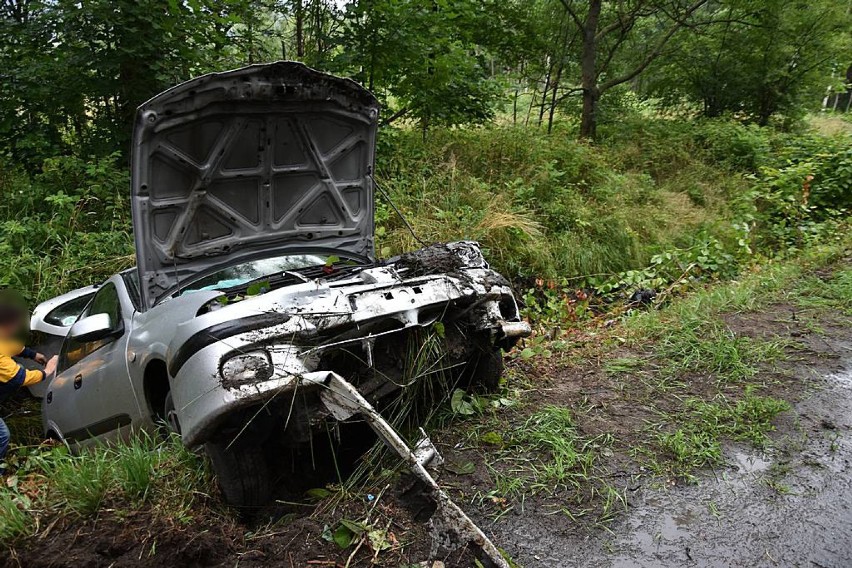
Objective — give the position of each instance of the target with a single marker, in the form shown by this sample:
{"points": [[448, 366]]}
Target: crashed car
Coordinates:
{"points": [[258, 311]]}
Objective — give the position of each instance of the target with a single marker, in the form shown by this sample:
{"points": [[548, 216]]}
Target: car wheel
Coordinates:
{"points": [[243, 474], [487, 369], [170, 416]]}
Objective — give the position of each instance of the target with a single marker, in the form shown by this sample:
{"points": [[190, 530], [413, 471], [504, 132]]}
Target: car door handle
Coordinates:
{"points": [[78, 382]]}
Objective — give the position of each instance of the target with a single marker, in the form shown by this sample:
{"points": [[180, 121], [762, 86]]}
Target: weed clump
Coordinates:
{"points": [[697, 442]]}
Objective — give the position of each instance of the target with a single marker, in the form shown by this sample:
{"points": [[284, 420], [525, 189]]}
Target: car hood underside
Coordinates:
{"points": [[233, 165]]}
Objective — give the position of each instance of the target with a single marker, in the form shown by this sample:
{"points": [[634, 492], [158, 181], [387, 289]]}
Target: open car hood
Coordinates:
{"points": [[245, 163]]}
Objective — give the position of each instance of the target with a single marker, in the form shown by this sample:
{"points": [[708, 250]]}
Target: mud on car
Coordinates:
{"points": [[258, 315]]}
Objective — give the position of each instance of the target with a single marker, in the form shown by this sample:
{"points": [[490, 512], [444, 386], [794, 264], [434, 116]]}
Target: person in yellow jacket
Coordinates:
{"points": [[13, 376]]}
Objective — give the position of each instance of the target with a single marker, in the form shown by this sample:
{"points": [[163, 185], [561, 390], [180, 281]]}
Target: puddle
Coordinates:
{"points": [[844, 378], [749, 463]]}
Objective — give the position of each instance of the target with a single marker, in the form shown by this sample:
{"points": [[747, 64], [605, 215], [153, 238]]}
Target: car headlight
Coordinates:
{"points": [[253, 366]]}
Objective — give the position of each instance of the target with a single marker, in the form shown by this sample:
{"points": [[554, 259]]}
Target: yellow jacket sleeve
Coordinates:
{"points": [[11, 373], [32, 377], [9, 368]]}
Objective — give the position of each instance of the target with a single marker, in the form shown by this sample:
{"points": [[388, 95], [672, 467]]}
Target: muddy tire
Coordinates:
{"points": [[487, 369], [243, 474]]}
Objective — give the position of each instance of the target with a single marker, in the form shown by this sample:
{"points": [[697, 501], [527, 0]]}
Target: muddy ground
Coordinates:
{"points": [[787, 505], [790, 505]]}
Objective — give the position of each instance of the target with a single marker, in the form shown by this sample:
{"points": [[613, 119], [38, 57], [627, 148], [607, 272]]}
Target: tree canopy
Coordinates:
{"points": [[73, 72]]}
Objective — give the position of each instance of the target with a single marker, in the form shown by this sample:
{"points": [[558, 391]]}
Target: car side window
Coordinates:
{"points": [[67, 313], [106, 301]]}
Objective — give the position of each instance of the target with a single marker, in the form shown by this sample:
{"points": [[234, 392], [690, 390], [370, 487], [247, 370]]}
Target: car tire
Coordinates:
{"points": [[487, 370], [243, 474]]}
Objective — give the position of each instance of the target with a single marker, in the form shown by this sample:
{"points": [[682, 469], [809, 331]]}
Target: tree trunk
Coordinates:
{"points": [[515, 104], [300, 30], [545, 93], [553, 99], [588, 70], [250, 32], [589, 122], [318, 20]]}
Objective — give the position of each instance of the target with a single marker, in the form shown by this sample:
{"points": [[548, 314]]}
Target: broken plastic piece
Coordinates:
{"points": [[449, 524]]}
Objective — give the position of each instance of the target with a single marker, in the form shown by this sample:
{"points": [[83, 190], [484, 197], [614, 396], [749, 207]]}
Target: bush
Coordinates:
{"points": [[547, 205], [808, 186], [655, 196], [66, 227], [739, 146]]}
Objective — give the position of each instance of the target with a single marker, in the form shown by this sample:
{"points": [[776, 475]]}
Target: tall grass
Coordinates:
{"points": [[547, 205], [543, 205], [145, 471]]}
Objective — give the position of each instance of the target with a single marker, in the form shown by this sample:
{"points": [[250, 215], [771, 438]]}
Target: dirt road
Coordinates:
{"points": [[788, 506]]}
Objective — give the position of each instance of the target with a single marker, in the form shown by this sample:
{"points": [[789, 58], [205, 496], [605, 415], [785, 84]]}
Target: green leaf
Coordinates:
{"points": [[506, 402], [459, 404], [354, 526], [345, 533], [342, 536], [318, 493], [331, 260], [258, 288], [378, 540]]}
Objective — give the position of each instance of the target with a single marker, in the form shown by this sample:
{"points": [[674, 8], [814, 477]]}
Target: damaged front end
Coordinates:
{"points": [[273, 382], [359, 324]]}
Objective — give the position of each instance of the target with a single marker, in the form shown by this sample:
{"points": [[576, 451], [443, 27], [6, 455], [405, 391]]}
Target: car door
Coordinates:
{"points": [[49, 325], [92, 397]]}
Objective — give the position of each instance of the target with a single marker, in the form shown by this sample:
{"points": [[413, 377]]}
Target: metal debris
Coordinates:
{"points": [[450, 525]]}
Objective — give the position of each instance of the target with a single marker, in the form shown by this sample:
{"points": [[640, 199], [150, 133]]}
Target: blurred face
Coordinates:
{"points": [[8, 329], [12, 313]]}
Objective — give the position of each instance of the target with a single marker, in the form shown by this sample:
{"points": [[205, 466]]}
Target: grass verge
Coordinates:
{"points": [[657, 393], [50, 483]]}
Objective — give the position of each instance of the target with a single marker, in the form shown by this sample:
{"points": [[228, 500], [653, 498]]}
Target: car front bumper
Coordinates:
{"points": [[295, 342]]}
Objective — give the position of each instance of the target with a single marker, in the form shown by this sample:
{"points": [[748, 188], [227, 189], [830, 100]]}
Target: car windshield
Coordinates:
{"points": [[253, 270]]}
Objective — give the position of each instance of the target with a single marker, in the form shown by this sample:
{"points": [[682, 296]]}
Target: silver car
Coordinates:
{"points": [[50, 323], [257, 288]]}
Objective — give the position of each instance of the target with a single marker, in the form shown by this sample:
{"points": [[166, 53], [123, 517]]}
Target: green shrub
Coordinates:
{"points": [[547, 205], [66, 227], [808, 185], [741, 147], [654, 196]]}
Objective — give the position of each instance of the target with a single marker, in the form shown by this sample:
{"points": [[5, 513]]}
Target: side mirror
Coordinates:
{"points": [[92, 328]]}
